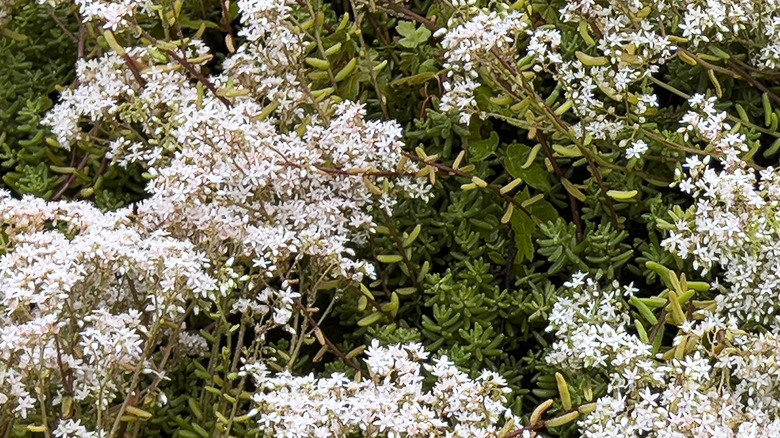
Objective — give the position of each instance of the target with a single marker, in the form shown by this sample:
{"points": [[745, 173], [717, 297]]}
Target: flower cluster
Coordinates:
{"points": [[732, 224], [268, 63], [718, 381], [471, 44], [229, 173], [593, 330], [717, 22], [108, 90], [629, 49], [254, 201], [111, 14], [392, 402], [626, 43], [84, 297]]}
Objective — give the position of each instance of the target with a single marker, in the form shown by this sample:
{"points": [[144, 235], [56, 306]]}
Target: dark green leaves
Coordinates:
{"points": [[524, 227], [534, 174], [480, 150], [412, 36]]}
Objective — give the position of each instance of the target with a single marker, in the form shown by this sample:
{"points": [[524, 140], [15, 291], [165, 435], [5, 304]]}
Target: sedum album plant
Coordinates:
{"points": [[273, 218], [715, 382], [391, 402], [252, 208]]}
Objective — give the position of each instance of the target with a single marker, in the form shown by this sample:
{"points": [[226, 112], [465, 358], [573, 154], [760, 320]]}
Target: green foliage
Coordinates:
{"points": [[521, 164], [413, 36], [39, 58]]}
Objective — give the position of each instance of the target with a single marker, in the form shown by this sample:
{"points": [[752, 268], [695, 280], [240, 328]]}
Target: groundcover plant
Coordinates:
{"points": [[389, 218]]}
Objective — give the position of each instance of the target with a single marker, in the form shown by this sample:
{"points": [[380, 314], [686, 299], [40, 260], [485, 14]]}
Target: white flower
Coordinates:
{"points": [[728, 224], [392, 403], [709, 392], [471, 44], [637, 149]]}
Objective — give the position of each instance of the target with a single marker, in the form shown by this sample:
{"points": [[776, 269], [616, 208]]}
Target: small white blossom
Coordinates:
{"points": [[637, 149], [730, 224]]}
